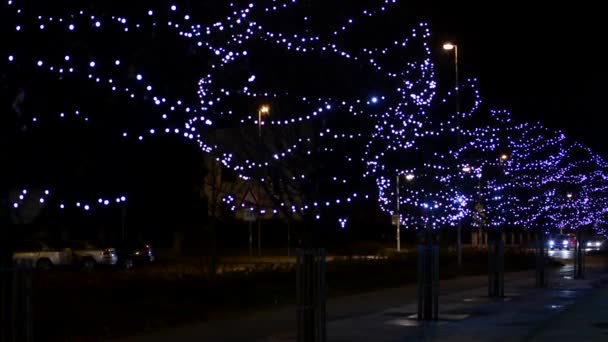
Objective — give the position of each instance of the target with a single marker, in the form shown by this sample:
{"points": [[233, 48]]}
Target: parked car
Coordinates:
{"points": [[131, 254], [595, 243], [560, 242], [42, 254], [88, 255]]}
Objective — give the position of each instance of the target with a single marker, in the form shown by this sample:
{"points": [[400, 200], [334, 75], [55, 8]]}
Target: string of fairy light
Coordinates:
{"points": [[403, 119], [96, 22]]}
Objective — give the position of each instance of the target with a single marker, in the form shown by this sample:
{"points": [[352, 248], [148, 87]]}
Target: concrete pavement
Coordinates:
{"points": [[471, 316], [586, 320], [466, 314]]}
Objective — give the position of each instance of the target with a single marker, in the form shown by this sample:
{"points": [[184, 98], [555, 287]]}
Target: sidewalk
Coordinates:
{"points": [[471, 316], [586, 320], [466, 314]]}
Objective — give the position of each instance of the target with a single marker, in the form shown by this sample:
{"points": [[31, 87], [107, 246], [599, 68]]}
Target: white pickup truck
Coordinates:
{"points": [[42, 255]]}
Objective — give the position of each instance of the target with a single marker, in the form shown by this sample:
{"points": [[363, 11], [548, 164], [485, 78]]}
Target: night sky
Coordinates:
{"points": [[541, 62]]}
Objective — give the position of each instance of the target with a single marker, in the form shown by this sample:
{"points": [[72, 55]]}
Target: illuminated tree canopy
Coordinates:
{"points": [[345, 114]]}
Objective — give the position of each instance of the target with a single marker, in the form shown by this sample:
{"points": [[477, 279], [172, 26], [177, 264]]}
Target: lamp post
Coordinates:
{"points": [[448, 47], [496, 252], [561, 228], [263, 110]]}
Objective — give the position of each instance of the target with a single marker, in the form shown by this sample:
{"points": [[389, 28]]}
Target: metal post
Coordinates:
{"points": [[260, 124], [311, 296], [250, 243], [435, 282], [398, 219], [579, 258], [259, 237], [420, 278], [288, 240], [459, 243], [541, 261], [459, 229], [492, 265]]}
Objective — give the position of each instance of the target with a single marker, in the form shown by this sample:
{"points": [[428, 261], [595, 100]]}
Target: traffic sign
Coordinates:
{"points": [[249, 199], [247, 203], [249, 215]]}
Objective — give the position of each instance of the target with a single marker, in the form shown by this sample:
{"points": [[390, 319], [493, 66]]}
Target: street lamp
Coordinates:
{"points": [[448, 47], [409, 177], [561, 228], [496, 254], [262, 110]]}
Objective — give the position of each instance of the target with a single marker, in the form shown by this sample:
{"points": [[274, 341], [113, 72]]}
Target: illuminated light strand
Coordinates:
{"points": [[414, 98], [45, 197]]}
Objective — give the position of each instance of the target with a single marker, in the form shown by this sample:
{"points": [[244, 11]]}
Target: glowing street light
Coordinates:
{"points": [[263, 110], [449, 46], [569, 195], [466, 169], [504, 157], [409, 177]]}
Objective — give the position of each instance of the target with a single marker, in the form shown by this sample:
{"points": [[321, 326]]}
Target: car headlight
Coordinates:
{"points": [[589, 244], [551, 242], [597, 244], [565, 242]]}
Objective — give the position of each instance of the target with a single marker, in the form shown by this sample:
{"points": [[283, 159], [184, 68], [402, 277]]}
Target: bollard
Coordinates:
{"points": [[311, 295]]}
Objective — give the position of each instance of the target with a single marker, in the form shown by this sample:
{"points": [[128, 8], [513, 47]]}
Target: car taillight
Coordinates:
{"points": [[106, 252]]}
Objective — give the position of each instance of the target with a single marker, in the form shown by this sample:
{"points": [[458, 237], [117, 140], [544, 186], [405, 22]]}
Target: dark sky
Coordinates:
{"points": [[543, 62]]}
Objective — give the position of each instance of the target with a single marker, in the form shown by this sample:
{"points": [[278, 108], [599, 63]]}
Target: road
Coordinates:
{"points": [[567, 256]]}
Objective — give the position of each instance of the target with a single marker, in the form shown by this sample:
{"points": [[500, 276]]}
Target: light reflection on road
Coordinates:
{"points": [[562, 255]]}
